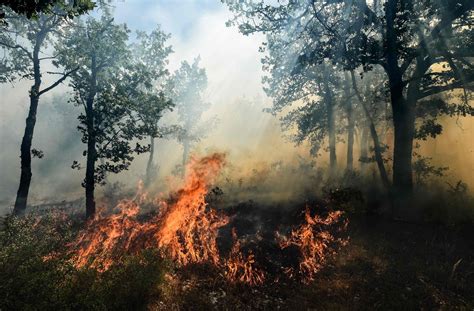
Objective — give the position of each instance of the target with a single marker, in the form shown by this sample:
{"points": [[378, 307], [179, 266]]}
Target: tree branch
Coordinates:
{"points": [[17, 46], [59, 81]]}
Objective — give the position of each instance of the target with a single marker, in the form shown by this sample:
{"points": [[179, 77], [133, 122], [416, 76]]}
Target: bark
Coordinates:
{"points": [[364, 147], [26, 142], [185, 155], [350, 126], [373, 134], [25, 155], [404, 126], [328, 99], [150, 167], [403, 113], [91, 143]]}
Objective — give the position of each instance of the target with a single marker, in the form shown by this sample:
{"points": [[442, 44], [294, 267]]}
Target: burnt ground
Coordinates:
{"points": [[387, 265]]}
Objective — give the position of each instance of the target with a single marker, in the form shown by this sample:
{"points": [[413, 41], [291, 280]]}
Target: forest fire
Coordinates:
{"points": [[313, 243], [186, 229], [241, 268]]}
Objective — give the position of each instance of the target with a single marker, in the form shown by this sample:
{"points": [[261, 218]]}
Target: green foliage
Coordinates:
{"points": [[22, 40], [36, 271], [423, 169], [188, 84], [116, 87], [31, 9]]}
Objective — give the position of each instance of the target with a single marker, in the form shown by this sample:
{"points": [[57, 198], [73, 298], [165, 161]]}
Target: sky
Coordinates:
{"points": [[197, 29]]}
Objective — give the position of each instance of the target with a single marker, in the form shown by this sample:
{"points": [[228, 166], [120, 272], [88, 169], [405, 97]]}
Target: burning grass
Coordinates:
{"points": [[252, 257], [187, 230]]}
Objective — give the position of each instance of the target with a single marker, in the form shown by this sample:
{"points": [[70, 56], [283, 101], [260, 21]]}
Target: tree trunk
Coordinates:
{"points": [[185, 155], [402, 111], [331, 124], [373, 133], [404, 126], [364, 147], [350, 126], [26, 142], [150, 167], [25, 155], [91, 144]]}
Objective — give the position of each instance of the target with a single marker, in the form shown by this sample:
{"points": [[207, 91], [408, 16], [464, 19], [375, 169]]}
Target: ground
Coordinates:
{"points": [[387, 265]]}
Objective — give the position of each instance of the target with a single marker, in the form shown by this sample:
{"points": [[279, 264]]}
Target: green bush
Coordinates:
{"points": [[36, 272]]}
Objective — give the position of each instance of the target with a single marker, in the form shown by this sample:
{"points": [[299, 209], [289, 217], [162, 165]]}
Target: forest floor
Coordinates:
{"points": [[387, 265]]}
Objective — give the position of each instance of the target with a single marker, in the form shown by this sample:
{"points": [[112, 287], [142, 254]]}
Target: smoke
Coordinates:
{"points": [[265, 164]]}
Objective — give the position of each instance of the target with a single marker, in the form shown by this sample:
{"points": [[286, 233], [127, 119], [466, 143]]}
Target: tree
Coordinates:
{"points": [[112, 90], [317, 88], [33, 9], [408, 39], [152, 52], [25, 42], [189, 83]]}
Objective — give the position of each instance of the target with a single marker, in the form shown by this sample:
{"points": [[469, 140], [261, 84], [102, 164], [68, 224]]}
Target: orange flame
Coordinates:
{"points": [[105, 237], [313, 242], [188, 228], [242, 269]]}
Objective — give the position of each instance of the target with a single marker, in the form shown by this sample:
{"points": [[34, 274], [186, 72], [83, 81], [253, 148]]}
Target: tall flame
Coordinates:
{"points": [[188, 228]]}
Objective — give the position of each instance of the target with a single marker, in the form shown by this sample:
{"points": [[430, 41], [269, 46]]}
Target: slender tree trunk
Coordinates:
{"points": [[364, 147], [331, 124], [185, 155], [150, 167], [91, 144], [350, 126], [373, 133], [26, 142], [25, 151]]}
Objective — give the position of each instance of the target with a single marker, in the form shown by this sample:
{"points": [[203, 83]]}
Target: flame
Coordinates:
{"points": [[241, 268], [188, 228], [313, 242], [106, 237]]}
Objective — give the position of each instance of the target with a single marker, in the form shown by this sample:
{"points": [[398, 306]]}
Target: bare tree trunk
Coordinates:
{"points": [[185, 155], [331, 124], [150, 167], [91, 143], [25, 149], [350, 126], [364, 147], [404, 126], [373, 133], [26, 142]]}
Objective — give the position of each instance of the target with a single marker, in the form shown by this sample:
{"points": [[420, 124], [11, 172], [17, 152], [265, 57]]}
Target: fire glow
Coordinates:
{"points": [[186, 229]]}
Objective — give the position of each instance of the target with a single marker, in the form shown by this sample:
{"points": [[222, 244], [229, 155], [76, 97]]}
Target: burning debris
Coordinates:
{"points": [[189, 231]]}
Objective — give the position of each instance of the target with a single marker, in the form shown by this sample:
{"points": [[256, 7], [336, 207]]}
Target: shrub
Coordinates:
{"points": [[36, 271]]}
